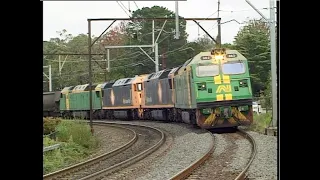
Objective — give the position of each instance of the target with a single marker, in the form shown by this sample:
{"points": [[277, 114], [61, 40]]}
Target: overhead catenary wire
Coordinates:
{"points": [[228, 11], [123, 9], [136, 4], [216, 23], [125, 6], [131, 64], [265, 8], [136, 63], [212, 14], [129, 56]]}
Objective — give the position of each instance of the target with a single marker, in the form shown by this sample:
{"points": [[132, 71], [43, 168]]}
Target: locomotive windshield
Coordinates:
{"points": [[233, 68], [208, 70]]}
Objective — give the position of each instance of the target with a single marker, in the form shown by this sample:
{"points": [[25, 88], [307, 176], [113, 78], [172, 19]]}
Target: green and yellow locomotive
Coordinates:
{"points": [[213, 90]]}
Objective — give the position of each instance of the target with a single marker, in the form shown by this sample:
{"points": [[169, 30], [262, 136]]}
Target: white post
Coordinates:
{"points": [[152, 35], [50, 79], [156, 57], [177, 21], [59, 66], [108, 59]]}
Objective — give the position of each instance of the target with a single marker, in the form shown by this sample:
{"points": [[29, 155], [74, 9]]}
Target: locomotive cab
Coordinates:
{"points": [[222, 89]]}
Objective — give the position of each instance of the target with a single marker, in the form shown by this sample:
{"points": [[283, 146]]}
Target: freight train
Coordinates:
{"points": [[210, 90]]}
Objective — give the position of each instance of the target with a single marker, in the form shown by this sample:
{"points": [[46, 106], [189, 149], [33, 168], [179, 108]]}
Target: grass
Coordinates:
{"points": [[76, 143], [260, 122]]}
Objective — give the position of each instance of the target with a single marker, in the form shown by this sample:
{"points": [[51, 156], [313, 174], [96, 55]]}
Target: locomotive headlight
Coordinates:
{"points": [[202, 86], [243, 83], [218, 57]]}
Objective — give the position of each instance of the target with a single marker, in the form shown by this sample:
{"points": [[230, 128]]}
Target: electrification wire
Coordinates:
{"points": [[230, 12], [124, 6], [136, 4], [216, 23], [212, 14], [123, 9], [244, 10], [232, 20], [149, 52], [116, 67], [99, 71]]}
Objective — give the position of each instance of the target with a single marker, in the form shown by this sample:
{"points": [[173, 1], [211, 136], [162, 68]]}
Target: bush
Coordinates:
{"points": [[79, 131], [66, 154], [76, 142], [49, 124], [52, 160], [48, 142], [260, 122]]}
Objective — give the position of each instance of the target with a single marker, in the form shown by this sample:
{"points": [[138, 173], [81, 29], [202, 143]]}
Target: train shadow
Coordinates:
{"points": [[224, 130]]}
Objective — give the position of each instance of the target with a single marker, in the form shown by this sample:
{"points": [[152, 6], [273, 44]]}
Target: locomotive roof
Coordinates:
{"points": [[123, 81], [100, 86], [158, 75], [202, 57], [174, 70], [206, 57], [79, 88], [66, 89], [104, 85]]}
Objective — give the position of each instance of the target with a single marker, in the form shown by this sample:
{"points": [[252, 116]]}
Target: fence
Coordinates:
{"points": [[49, 148], [51, 136]]}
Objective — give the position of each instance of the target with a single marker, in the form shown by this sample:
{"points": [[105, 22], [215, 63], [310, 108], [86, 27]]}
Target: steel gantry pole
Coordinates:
{"points": [[273, 65], [90, 74]]}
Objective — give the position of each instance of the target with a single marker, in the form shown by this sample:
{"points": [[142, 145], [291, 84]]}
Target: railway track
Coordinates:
{"points": [[192, 172], [145, 141]]}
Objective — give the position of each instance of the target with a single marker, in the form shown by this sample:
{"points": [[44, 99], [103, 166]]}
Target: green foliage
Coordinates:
{"points": [[67, 154], [267, 95], [253, 42], [74, 68], [48, 142], [76, 142], [49, 124], [52, 160], [205, 43], [172, 50], [260, 122], [228, 46], [78, 131]]}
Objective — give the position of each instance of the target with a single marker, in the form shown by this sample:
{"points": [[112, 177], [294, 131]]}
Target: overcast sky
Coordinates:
{"points": [[72, 15]]}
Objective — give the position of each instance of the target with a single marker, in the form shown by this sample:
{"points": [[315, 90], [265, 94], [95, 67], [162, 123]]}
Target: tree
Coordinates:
{"points": [[75, 69], [266, 99], [55, 46], [228, 46], [206, 43], [253, 42], [140, 32]]}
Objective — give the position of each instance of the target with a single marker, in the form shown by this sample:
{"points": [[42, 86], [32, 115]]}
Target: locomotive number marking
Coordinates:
{"points": [[231, 55], [225, 88]]}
